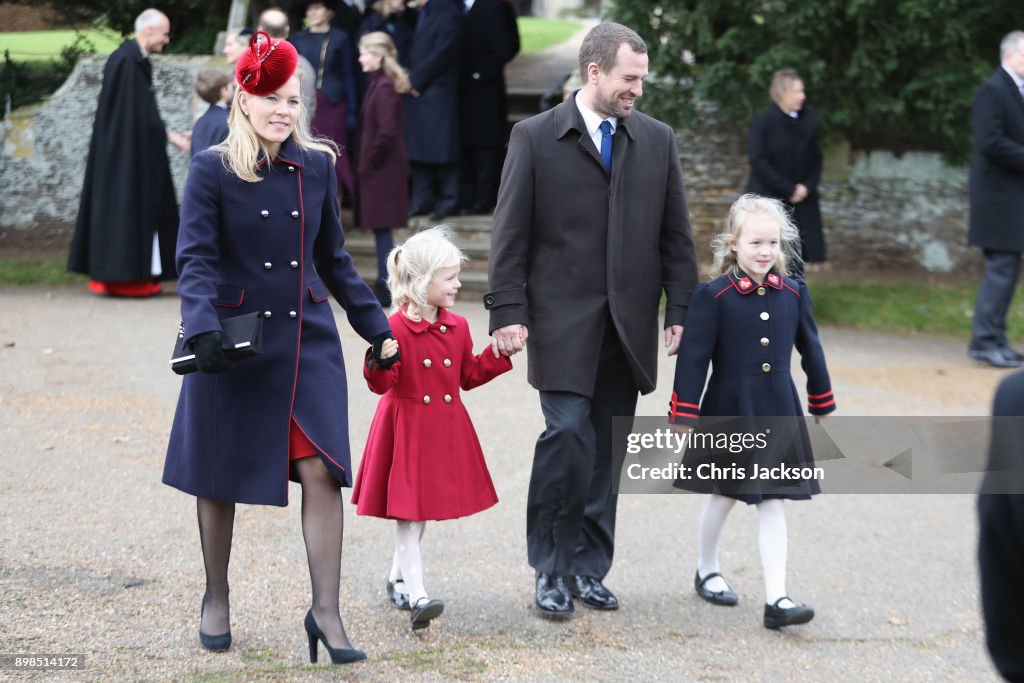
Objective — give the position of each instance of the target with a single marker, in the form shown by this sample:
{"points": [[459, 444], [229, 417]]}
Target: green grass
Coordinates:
{"points": [[24, 271], [903, 307], [537, 34], [25, 45]]}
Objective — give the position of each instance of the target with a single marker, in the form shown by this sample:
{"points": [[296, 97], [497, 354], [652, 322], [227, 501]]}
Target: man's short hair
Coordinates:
{"points": [[1010, 42], [274, 22], [601, 46], [782, 81], [210, 82], [148, 17]]}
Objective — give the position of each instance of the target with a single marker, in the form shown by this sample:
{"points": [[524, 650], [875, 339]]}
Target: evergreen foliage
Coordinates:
{"points": [[884, 74]]}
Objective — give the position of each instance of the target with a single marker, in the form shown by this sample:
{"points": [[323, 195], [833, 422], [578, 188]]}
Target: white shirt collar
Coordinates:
{"points": [[1017, 80], [592, 120], [469, 4]]}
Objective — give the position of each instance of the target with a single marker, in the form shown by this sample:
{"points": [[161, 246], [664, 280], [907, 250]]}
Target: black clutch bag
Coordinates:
{"points": [[243, 337]]}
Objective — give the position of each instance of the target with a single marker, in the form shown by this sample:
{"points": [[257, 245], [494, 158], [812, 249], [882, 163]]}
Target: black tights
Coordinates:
{"points": [[322, 527]]}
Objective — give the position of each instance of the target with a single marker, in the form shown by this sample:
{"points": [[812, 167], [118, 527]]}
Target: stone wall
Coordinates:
{"points": [[905, 212], [44, 148]]}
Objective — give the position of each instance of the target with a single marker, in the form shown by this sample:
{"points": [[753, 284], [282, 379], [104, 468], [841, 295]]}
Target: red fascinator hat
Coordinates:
{"points": [[266, 65]]}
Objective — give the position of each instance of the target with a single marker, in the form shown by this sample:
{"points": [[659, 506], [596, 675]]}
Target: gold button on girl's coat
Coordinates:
{"points": [[447, 362], [767, 367], [426, 362], [426, 400], [295, 214], [268, 265], [765, 316], [265, 213], [447, 398], [444, 328], [764, 341], [760, 291]]}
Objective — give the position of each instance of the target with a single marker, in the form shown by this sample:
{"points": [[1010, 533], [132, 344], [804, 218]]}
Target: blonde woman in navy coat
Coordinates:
{"points": [[260, 232], [746, 323]]}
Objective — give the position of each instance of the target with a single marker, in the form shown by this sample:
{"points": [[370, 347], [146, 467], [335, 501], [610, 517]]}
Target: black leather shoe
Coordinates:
{"points": [[217, 643], [592, 593], [997, 358], [777, 617], [339, 655], [425, 611], [399, 599], [1014, 353], [553, 598], [724, 597]]}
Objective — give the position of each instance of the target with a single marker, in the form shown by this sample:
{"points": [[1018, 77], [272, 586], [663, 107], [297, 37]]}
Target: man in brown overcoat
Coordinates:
{"points": [[590, 227]]}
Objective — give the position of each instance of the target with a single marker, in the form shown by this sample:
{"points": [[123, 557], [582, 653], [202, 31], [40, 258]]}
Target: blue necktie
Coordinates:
{"points": [[606, 144]]}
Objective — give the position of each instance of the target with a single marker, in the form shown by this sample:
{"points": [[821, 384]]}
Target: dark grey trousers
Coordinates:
{"points": [[988, 328]]}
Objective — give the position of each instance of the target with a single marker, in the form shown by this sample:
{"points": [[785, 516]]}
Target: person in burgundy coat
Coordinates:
{"points": [[423, 459], [260, 232], [382, 168]]}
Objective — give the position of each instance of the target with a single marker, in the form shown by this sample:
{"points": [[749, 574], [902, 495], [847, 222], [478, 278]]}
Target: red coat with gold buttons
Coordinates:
{"points": [[423, 459]]}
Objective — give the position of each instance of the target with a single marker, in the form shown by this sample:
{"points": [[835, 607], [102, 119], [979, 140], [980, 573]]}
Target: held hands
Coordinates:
{"points": [[673, 335], [384, 353], [509, 340], [210, 356], [799, 194]]}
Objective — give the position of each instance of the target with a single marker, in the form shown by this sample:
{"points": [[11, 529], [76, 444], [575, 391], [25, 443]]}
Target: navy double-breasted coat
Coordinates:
{"points": [[275, 247], [747, 332]]}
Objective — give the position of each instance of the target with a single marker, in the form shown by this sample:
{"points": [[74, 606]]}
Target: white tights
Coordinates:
{"points": [[407, 564], [771, 537]]}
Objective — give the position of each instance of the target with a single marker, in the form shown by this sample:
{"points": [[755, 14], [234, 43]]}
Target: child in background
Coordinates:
{"points": [[214, 87], [746, 323], [423, 459]]}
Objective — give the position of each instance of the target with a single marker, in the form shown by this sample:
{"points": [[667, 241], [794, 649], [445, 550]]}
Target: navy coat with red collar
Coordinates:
{"points": [[747, 332], [276, 247]]}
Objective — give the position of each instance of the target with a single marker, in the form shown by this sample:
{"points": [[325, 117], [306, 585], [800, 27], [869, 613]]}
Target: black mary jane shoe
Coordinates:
{"points": [[723, 597], [592, 593], [553, 598], [777, 617], [399, 599], [424, 612], [217, 643], [339, 655]]}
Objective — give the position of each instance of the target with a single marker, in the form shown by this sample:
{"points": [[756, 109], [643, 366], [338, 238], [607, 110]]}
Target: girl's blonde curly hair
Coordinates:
{"points": [[744, 207]]}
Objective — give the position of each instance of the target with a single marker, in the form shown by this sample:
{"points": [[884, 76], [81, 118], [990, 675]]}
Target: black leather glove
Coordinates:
{"points": [[378, 344], [210, 356]]}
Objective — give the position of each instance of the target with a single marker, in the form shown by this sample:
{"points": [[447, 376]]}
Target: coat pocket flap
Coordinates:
{"points": [[318, 291], [229, 297]]}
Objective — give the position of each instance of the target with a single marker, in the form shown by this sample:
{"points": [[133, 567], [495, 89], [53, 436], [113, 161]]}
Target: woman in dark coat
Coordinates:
{"points": [[382, 167], [785, 160], [330, 52], [260, 232]]}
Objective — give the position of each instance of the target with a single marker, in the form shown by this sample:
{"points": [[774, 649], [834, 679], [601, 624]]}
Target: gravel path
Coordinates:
{"points": [[99, 558]]}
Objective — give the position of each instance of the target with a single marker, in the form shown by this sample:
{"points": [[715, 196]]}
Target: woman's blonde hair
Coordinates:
{"points": [[744, 207], [380, 44], [413, 265], [243, 149]]}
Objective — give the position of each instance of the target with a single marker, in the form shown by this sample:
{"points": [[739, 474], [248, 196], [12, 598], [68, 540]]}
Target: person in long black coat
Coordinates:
{"points": [[490, 39], [128, 208], [1001, 532], [260, 232], [432, 109], [581, 252], [997, 201], [785, 160]]}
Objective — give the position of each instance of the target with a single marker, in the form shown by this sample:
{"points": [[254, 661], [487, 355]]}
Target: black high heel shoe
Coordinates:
{"points": [[338, 655], [218, 643]]}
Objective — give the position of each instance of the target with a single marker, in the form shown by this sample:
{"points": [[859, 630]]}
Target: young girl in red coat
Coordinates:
{"points": [[423, 459], [746, 323]]}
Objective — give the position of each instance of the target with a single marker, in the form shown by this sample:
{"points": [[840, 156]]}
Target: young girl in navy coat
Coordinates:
{"points": [[423, 459], [746, 323]]}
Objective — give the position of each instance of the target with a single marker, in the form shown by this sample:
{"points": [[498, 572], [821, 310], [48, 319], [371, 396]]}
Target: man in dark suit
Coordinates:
{"points": [[997, 201], [490, 39], [1001, 532], [432, 109], [590, 226]]}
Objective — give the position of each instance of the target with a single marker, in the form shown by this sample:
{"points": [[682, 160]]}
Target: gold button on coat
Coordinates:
{"points": [[764, 341], [294, 264], [266, 314], [268, 265], [426, 400], [760, 291], [295, 214], [766, 367], [444, 328], [292, 314], [447, 398], [426, 362], [265, 213], [291, 169], [447, 363], [764, 315]]}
